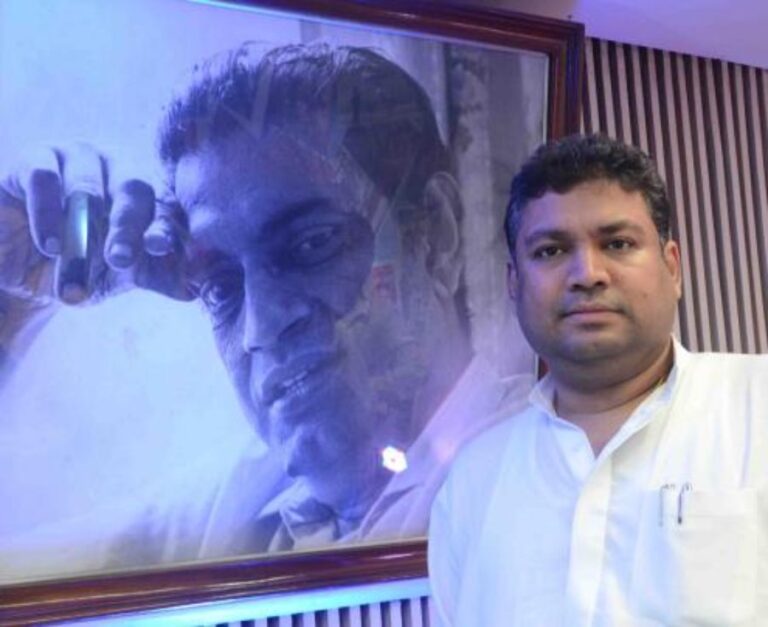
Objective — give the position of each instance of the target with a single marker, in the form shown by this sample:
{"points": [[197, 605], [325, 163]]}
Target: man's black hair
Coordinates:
{"points": [[561, 165], [379, 114]]}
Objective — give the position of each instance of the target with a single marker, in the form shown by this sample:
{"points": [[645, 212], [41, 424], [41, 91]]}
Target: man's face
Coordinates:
{"points": [[591, 279], [319, 310]]}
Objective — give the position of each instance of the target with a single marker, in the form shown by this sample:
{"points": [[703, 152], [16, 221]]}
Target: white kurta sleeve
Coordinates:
{"points": [[444, 569]]}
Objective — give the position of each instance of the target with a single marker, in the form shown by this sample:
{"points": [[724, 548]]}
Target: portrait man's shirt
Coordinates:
{"points": [[479, 400], [234, 523]]}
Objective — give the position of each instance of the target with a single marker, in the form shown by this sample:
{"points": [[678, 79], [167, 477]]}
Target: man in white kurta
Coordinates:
{"points": [[633, 490], [577, 539]]}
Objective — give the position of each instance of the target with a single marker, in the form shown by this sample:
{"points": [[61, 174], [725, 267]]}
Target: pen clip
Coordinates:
{"points": [[687, 487], [662, 492]]}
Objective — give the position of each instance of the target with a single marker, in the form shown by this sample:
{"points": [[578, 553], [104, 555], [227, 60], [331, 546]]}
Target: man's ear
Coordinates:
{"points": [[442, 201], [671, 254]]}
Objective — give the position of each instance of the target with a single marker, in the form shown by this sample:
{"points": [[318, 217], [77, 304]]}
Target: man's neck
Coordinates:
{"points": [[601, 410]]}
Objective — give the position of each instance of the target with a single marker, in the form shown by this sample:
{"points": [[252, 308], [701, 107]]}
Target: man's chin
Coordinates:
{"points": [[332, 471], [300, 452], [599, 347], [313, 451]]}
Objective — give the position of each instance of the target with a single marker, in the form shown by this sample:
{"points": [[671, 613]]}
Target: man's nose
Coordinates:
{"points": [[588, 269], [273, 311]]}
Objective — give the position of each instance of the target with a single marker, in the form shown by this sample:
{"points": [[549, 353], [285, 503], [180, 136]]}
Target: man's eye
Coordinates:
{"points": [[222, 294], [547, 252], [317, 244], [619, 244]]}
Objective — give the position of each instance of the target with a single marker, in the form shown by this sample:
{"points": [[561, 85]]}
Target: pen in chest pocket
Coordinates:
{"points": [[673, 499]]}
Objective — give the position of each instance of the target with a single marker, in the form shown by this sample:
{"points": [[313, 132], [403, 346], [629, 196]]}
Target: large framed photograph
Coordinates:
{"points": [[252, 285]]}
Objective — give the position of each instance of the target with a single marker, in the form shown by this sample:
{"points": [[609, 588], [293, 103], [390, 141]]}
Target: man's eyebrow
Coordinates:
{"points": [[618, 227], [559, 235], [204, 261], [545, 234], [295, 210]]}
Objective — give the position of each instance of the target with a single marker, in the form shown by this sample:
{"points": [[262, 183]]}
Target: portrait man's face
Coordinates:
{"points": [[592, 279], [321, 301]]}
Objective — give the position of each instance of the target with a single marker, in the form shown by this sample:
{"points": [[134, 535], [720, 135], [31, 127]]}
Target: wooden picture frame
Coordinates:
{"points": [[57, 599]]}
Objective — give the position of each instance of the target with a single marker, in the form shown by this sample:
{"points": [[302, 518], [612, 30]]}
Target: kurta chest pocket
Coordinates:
{"points": [[696, 558]]}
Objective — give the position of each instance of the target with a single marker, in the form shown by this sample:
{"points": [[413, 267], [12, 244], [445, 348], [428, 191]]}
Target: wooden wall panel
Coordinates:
{"points": [[704, 122]]}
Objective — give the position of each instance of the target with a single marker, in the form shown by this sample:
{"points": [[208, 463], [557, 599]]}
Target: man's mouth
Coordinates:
{"points": [[587, 310], [298, 378], [294, 386]]}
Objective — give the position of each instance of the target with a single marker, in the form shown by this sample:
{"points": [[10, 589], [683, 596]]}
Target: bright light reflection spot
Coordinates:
{"points": [[393, 459], [77, 205]]}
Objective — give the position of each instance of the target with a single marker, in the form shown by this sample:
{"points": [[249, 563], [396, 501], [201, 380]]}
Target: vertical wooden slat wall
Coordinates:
{"points": [[704, 122]]}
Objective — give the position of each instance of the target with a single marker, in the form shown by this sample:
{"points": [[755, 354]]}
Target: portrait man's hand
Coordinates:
{"points": [[73, 231], [123, 236]]}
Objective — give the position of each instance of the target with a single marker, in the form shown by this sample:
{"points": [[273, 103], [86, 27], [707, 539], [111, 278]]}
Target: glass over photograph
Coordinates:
{"points": [[252, 278]]}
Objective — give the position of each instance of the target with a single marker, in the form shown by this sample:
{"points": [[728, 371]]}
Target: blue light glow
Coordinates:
{"points": [[223, 4], [272, 606]]}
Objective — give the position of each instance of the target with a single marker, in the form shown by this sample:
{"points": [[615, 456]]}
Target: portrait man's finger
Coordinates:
{"points": [[167, 231], [83, 170], [133, 209], [40, 184]]}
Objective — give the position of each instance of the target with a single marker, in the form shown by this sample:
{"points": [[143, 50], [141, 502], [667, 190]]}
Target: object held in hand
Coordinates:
{"points": [[82, 239]]}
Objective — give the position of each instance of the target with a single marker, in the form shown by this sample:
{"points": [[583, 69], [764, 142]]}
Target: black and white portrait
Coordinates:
{"points": [[251, 278]]}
